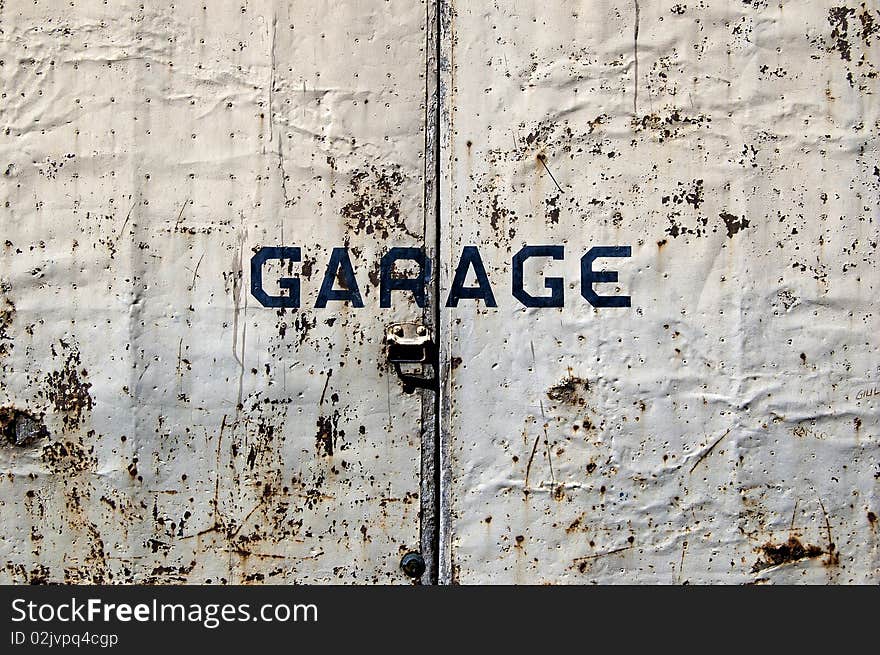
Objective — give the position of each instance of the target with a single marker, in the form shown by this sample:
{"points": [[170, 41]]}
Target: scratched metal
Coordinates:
{"points": [[724, 428], [157, 424]]}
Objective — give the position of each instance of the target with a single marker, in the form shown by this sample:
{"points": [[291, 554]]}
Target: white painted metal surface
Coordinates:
{"points": [[159, 424], [723, 427]]}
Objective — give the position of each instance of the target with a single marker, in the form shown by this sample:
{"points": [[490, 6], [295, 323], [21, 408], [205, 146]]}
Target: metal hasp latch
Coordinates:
{"points": [[409, 348]]}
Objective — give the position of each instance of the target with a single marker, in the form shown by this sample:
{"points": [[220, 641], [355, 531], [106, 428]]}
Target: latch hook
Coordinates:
{"points": [[411, 344]]}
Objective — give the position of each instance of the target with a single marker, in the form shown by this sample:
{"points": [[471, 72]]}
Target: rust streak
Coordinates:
{"points": [[636, 60]]}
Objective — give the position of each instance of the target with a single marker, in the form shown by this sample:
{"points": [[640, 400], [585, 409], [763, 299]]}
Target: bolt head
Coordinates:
{"points": [[413, 564]]}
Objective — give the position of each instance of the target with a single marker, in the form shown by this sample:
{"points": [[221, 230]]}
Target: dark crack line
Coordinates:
{"points": [[709, 450], [196, 272], [529, 465], [544, 163], [127, 217], [587, 558], [326, 383]]}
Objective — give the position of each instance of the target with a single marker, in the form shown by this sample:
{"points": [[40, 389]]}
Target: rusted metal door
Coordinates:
{"points": [[657, 239], [703, 407], [196, 201]]}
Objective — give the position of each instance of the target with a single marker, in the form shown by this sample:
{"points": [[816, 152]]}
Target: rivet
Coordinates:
{"points": [[413, 564]]}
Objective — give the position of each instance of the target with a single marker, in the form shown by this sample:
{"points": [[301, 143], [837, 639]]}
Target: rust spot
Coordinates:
{"points": [[39, 575], [552, 210], [456, 362], [375, 274], [375, 209], [67, 390], [790, 551], [569, 391], [7, 312], [733, 223], [21, 428], [498, 213], [307, 267], [872, 518], [328, 434], [691, 193], [669, 126], [68, 457]]}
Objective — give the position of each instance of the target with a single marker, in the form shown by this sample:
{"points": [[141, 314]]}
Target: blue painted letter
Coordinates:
{"points": [[339, 266], [470, 256], [387, 283], [590, 277], [290, 283], [555, 284]]}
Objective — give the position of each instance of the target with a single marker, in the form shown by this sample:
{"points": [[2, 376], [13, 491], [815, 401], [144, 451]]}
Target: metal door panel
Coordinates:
{"points": [[723, 428], [160, 424]]}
